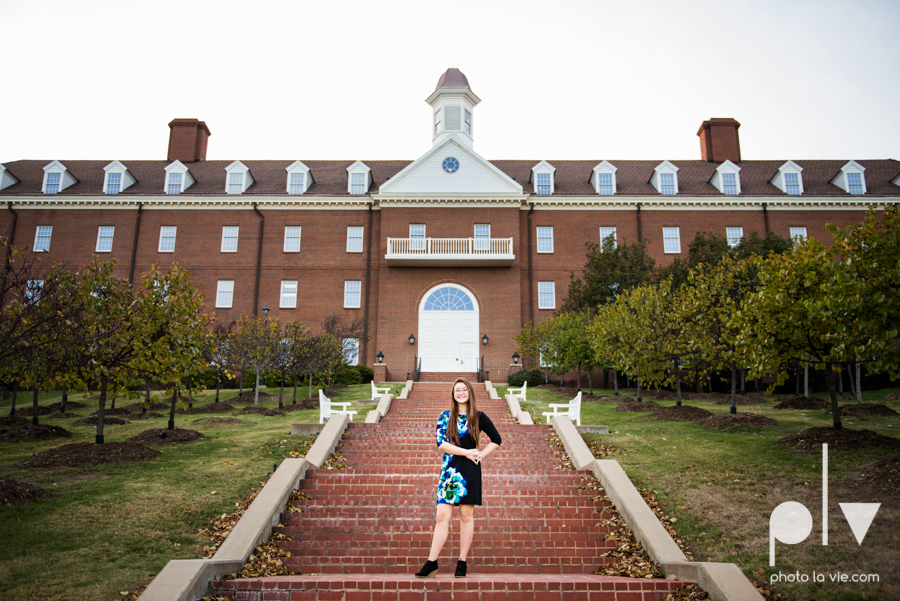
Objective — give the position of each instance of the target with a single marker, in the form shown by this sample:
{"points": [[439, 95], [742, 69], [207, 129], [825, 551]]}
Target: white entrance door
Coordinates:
{"points": [[448, 330]]}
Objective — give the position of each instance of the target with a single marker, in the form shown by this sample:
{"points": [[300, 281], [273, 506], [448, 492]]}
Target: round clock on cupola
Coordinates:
{"points": [[450, 165]]}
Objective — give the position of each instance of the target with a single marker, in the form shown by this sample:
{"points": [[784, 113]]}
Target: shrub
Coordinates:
{"points": [[366, 374], [349, 375], [533, 377]]}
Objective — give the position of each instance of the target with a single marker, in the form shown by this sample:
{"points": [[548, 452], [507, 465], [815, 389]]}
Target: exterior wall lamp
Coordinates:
{"points": [[484, 339], [412, 339], [380, 356], [516, 358]]}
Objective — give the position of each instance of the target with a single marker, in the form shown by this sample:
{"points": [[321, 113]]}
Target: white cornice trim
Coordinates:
{"points": [[181, 201]]}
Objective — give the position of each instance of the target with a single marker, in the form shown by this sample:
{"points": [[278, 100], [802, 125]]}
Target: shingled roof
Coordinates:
{"points": [[572, 177]]}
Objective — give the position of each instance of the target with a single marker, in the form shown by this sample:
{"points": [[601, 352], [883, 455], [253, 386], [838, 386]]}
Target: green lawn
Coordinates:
{"points": [[722, 487], [112, 527]]}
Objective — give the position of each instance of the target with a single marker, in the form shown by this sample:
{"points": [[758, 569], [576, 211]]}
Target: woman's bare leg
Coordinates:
{"points": [[466, 529], [441, 530]]}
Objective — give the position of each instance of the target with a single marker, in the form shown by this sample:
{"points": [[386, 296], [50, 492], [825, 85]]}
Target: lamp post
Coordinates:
{"points": [[265, 311]]}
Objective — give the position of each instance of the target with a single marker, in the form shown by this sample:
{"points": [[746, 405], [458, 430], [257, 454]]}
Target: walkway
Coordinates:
{"points": [[366, 529]]}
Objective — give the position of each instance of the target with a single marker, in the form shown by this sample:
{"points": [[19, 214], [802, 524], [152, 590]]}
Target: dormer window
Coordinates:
{"points": [[117, 178], [238, 178], [360, 178], [299, 178], [851, 178], [56, 178], [727, 179], [665, 178], [178, 178], [542, 178], [604, 179], [7, 179], [788, 179]]}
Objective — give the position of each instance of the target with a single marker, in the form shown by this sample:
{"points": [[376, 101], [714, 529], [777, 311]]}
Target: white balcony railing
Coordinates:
{"points": [[488, 252]]}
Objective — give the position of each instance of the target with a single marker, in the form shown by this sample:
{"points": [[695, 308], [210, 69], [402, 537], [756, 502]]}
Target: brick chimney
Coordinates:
{"points": [[187, 140], [719, 140]]}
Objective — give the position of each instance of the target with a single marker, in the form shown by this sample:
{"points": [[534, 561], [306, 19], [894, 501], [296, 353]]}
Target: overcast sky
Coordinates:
{"points": [[347, 80]]}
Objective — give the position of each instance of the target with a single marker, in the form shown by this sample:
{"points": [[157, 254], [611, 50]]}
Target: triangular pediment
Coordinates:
{"points": [[469, 174]]}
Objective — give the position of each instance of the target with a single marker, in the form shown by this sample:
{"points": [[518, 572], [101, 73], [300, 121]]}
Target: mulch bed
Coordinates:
{"points": [[261, 411], [801, 402], [812, 439], [867, 410], [728, 421], [685, 413], [28, 410], [218, 421], [219, 407], [249, 396], [107, 421], [749, 398], [79, 454], [69, 405], [19, 429], [632, 406], [894, 396], [110, 411], [300, 405], [600, 399], [148, 415], [163, 436], [13, 492], [884, 474], [63, 415]]}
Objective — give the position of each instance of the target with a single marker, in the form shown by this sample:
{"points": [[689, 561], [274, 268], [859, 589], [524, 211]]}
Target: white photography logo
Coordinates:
{"points": [[791, 522]]}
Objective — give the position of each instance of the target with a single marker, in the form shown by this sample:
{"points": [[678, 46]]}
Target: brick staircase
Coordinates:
{"points": [[366, 529], [443, 377]]}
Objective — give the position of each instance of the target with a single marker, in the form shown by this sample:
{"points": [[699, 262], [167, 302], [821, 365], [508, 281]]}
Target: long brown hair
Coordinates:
{"points": [[471, 415]]}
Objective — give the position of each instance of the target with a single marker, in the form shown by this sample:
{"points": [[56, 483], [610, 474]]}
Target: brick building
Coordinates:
{"points": [[451, 249]]}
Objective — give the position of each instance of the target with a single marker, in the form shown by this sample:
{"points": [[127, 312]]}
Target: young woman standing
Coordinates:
{"points": [[460, 482]]}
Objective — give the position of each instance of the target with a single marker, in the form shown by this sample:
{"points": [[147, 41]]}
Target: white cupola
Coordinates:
{"points": [[452, 104]]}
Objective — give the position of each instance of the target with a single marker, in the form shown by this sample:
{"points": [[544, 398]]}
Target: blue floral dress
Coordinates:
{"points": [[460, 480]]}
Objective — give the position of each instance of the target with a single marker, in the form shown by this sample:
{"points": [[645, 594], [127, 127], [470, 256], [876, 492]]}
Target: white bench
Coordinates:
{"points": [[572, 410], [377, 392], [327, 408], [519, 392]]}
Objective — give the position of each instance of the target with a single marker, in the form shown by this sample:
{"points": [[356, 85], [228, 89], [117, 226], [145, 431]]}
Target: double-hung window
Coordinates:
{"points": [[351, 350], [352, 294], [606, 232], [605, 184], [546, 295], [798, 232], [167, 238], [354, 239], [667, 184], [53, 180], [229, 238], [33, 289], [734, 235], [483, 237], [235, 183], [224, 294], [105, 235], [792, 183], [468, 122], [174, 185], [417, 237], [42, 238], [855, 183], [292, 238], [113, 183], [357, 183], [288, 294], [729, 184], [543, 183], [297, 180], [671, 239], [545, 239]]}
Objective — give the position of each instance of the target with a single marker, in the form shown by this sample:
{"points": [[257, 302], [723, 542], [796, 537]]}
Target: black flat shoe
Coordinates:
{"points": [[430, 569], [460, 569]]}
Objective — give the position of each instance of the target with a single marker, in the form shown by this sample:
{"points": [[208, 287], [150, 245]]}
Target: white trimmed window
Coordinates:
{"points": [[235, 183], [798, 232], [543, 184], [33, 290], [851, 178], [352, 294], [606, 232], [437, 122], [237, 178], [105, 235], [358, 183], [173, 183], [467, 125], [483, 236], [117, 178], [178, 178], [416, 236], [351, 350], [42, 236], [730, 183], [167, 238], [604, 178], [671, 240], [359, 178], [288, 294], [229, 238], [665, 178], [734, 235], [546, 295], [56, 178], [542, 178], [727, 179], [224, 294], [292, 238], [788, 179], [354, 239], [299, 178], [113, 183], [545, 239], [297, 183]]}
